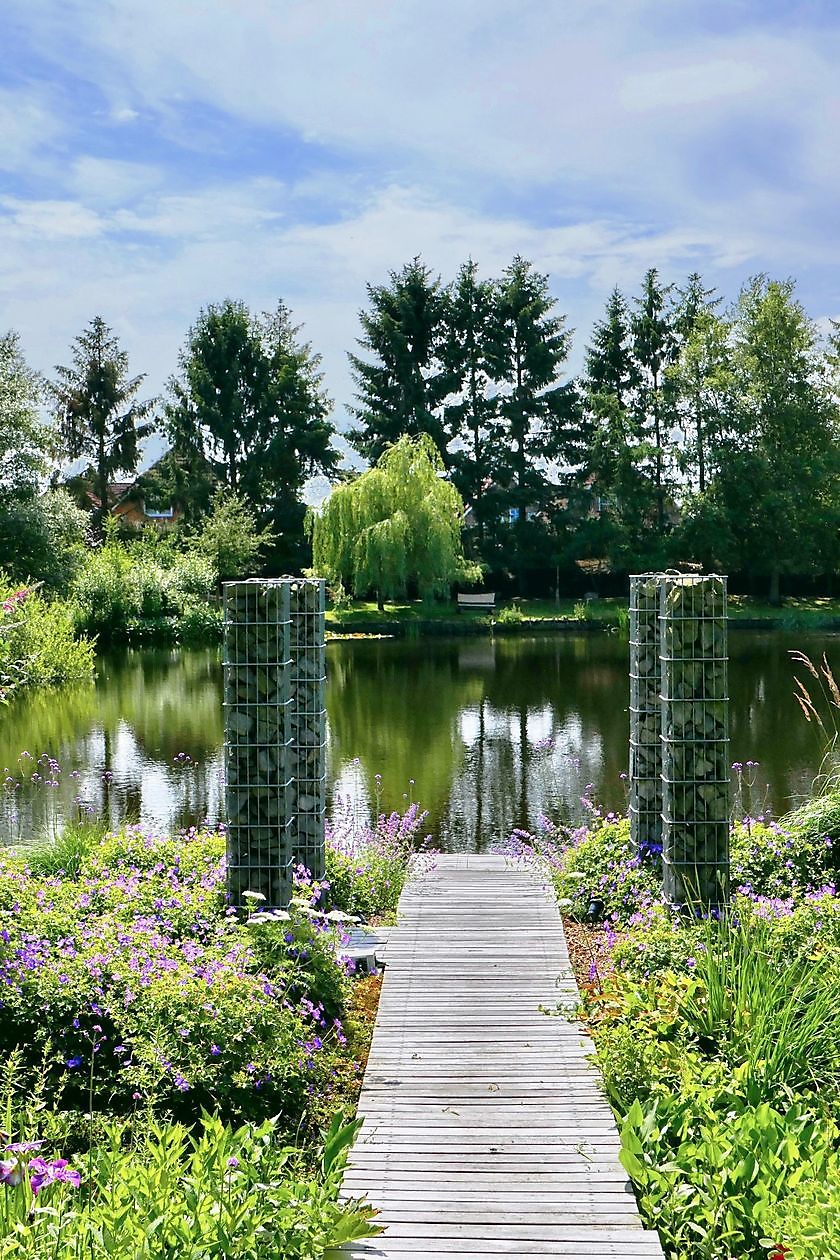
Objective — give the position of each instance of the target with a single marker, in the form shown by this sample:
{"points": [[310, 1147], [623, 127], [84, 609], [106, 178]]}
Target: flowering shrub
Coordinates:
{"points": [[135, 980], [718, 1036], [595, 862], [367, 865], [771, 859]]}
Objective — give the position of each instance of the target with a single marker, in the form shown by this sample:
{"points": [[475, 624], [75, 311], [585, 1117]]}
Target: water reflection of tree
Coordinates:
{"points": [[766, 723], [144, 709], [396, 706]]}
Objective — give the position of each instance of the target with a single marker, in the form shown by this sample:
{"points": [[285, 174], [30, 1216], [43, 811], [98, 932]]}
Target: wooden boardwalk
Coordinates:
{"points": [[486, 1130]]}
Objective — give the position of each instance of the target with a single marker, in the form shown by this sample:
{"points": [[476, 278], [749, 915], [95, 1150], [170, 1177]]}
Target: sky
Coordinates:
{"points": [[159, 155]]}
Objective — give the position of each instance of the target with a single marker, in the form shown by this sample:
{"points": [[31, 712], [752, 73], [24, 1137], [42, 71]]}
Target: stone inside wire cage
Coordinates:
{"points": [[645, 714], [274, 677], [694, 738]]}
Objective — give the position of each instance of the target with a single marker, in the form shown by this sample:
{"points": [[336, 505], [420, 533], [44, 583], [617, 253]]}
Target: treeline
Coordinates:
{"points": [[693, 434]]}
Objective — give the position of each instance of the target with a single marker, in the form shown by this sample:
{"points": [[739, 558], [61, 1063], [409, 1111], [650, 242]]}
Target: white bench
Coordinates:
{"points": [[487, 600]]}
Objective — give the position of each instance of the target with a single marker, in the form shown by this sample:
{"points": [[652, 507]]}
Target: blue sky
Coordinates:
{"points": [[158, 155]]}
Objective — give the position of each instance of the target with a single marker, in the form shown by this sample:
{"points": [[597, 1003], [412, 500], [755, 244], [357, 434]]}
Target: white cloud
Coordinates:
{"points": [[27, 125], [110, 181], [47, 220], [698, 84]]}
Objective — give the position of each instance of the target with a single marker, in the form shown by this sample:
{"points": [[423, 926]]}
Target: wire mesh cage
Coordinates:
{"points": [[694, 738], [308, 723], [273, 656], [645, 714]]}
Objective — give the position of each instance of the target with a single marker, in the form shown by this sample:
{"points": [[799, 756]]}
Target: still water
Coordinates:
{"points": [[486, 733]]}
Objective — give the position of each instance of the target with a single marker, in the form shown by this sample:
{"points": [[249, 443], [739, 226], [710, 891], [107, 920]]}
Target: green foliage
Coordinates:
{"points": [[212, 1191], [777, 859], [43, 539], [807, 1219], [601, 862], [709, 1164], [38, 646], [396, 525], [366, 870], [25, 441], [134, 592], [816, 823], [124, 978], [401, 387], [97, 411], [248, 413], [230, 538], [510, 615]]}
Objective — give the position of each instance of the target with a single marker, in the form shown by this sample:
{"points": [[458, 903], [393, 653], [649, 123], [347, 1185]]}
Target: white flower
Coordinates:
{"points": [[254, 896]]}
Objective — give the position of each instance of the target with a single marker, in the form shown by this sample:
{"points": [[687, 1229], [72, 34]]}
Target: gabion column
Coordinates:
{"points": [[645, 746], [308, 723], [695, 739], [257, 701]]}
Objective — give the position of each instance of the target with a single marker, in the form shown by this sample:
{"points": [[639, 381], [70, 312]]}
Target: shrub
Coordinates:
{"points": [[43, 539], [134, 981], [38, 647], [367, 866], [230, 539], [778, 858], [146, 592], [597, 862], [817, 825]]}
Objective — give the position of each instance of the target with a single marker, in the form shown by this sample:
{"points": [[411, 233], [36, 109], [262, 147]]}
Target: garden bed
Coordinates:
{"points": [[718, 1037], [180, 1079]]}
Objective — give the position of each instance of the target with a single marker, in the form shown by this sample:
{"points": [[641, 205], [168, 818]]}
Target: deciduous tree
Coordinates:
{"points": [[396, 526]]}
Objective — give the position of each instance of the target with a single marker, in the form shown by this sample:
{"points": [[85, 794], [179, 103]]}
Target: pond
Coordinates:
{"points": [[486, 733]]}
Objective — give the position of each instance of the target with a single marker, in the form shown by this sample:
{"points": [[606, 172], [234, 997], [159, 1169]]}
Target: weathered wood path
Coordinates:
{"points": [[486, 1130]]}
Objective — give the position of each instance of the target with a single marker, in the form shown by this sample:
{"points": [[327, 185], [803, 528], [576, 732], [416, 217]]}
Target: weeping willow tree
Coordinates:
{"points": [[396, 526]]}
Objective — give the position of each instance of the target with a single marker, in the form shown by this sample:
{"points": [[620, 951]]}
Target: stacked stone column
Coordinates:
{"points": [[693, 761], [645, 710], [307, 761], [266, 776]]}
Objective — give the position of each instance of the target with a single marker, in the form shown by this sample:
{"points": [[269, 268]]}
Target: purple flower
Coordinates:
{"points": [[46, 1173], [75, 1062], [233, 1162], [11, 1173]]}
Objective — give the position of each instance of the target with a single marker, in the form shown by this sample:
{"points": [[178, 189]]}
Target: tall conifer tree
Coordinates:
{"points": [[96, 406], [539, 423], [401, 382], [470, 417], [654, 346]]}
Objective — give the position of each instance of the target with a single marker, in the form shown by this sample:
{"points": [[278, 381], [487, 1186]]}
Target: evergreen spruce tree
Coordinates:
{"points": [[470, 419], [654, 346], [248, 413], [97, 411], [401, 382], [539, 423], [618, 452]]}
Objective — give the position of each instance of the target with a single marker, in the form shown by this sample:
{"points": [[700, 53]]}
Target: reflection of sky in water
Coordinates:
{"points": [[495, 732]]}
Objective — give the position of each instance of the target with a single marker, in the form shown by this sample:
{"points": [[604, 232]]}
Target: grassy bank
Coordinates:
{"points": [[180, 1079], [363, 617]]}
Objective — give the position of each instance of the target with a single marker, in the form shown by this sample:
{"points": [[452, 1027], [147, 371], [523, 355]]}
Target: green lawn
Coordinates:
{"points": [[363, 614]]}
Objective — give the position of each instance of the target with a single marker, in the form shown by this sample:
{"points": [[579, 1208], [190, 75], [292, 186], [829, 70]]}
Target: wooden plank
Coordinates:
{"points": [[486, 1128]]}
